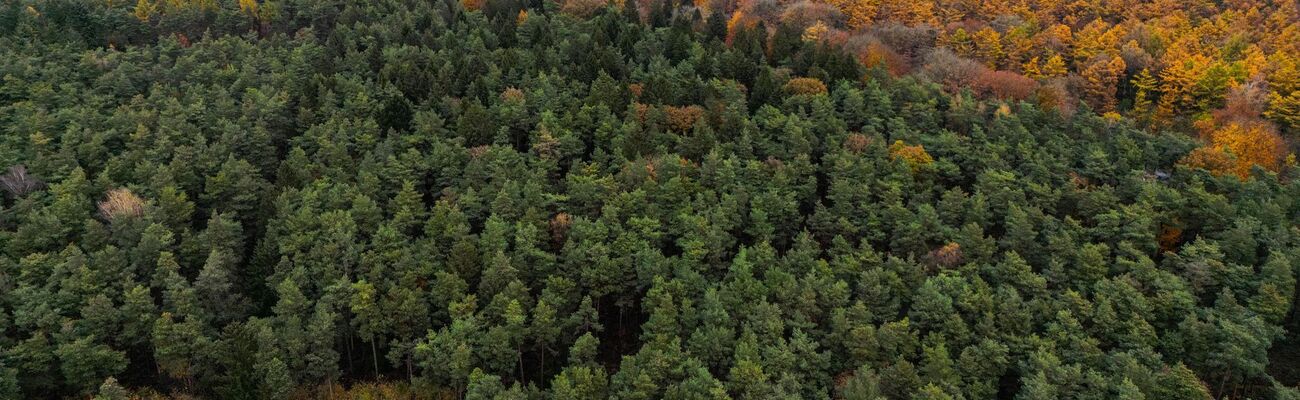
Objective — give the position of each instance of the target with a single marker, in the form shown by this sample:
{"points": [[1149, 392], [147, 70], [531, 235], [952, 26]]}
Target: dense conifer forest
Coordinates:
{"points": [[524, 199]]}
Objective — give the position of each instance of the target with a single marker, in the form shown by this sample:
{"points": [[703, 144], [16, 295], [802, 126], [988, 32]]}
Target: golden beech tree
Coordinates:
{"points": [[914, 155], [119, 203], [1237, 147], [994, 7], [1058, 38], [1209, 158], [951, 12], [909, 12]]}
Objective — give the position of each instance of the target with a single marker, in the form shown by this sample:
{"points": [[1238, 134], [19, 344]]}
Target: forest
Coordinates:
{"points": [[649, 199]]}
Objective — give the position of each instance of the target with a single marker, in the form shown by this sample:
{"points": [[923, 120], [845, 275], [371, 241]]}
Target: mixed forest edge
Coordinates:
{"points": [[645, 199]]}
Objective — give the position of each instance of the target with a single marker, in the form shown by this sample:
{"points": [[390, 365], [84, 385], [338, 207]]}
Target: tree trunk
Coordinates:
{"points": [[520, 351], [349, 340], [1222, 382], [374, 355]]}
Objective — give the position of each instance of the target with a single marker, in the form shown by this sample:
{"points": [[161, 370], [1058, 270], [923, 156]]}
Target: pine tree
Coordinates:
{"points": [[111, 390]]}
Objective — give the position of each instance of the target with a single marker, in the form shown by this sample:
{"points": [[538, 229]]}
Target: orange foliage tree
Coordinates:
{"points": [[1101, 78], [473, 5], [914, 155], [683, 118], [1235, 148]]}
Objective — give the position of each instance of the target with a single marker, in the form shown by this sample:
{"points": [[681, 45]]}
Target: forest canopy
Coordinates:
{"points": [[522, 199]]}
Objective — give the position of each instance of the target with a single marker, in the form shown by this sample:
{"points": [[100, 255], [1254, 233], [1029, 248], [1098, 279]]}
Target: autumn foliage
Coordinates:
{"points": [[948, 256], [582, 8], [1193, 53], [120, 203], [1004, 85], [914, 155], [856, 143], [805, 86], [1236, 148], [473, 4], [683, 118]]}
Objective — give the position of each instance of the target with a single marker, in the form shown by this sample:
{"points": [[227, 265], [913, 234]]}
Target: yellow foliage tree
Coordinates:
{"points": [[144, 10], [1095, 39], [1284, 100], [1054, 67], [805, 86], [1145, 85], [1102, 78], [914, 155], [1177, 84], [959, 41], [1236, 148], [988, 46], [816, 32], [1030, 69], [248, 6], [858, 13]]}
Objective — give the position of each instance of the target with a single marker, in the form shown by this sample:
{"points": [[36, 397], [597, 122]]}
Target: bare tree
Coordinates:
{"points": [[120, 203], [18, 183]]}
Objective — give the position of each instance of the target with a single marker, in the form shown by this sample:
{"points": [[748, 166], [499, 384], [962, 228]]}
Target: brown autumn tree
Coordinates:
{"points": [[1101, 80]]}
